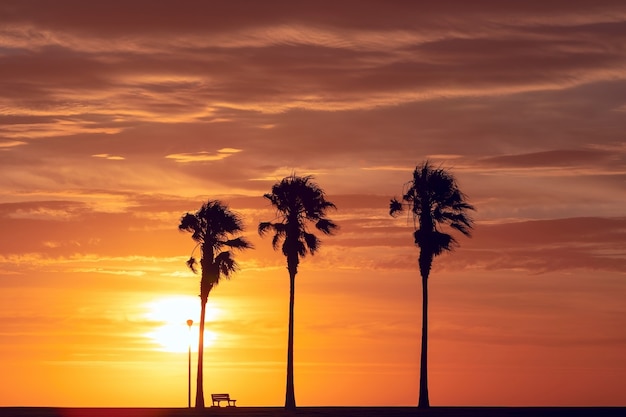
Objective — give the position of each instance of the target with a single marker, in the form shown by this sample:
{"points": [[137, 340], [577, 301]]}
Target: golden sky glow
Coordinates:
{"points": [[118, 117]]}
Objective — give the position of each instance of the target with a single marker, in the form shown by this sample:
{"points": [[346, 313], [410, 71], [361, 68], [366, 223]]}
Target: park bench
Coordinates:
{"points": [[218, 398]]}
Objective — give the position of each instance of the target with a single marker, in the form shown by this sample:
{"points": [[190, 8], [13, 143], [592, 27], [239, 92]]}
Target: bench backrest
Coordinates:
{"points": [[220, 396]]}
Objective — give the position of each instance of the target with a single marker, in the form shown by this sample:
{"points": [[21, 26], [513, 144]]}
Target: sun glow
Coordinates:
{"points": [[172, 334]]}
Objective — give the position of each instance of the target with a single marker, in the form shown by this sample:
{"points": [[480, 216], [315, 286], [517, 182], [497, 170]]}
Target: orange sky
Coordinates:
{"points": [[116, 119]]}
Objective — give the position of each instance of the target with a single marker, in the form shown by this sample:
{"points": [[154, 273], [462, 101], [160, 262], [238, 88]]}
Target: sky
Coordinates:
{"points": [[116, 118]]}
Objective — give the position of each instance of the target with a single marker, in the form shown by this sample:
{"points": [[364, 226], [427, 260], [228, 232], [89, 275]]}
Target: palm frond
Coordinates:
{"points": [[264, 227], [191, 263], [461, 227], [190, 223], [240, 243], [395, 207], [460, 221], [311, 242], [276, 240], [299, 246], [225, 263], [442, 242], [434, 242], [326, 226], [299, 202], [434, 199], [214, 226]]}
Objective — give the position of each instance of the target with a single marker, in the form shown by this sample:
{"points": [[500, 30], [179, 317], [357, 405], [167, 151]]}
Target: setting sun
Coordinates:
{"points": [[172, 333]]}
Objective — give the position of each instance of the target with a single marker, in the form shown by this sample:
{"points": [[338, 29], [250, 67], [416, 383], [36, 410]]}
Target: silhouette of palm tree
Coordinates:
{"points": [[434, 199], [298, 202], [214, 227]]}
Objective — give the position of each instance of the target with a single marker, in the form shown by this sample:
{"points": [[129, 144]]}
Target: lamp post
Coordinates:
{"points": [[189, 323]]}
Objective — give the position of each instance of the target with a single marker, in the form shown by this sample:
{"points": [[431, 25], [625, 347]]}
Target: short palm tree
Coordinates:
{"points": [[214, 227], [434, 199], [298, 202]]}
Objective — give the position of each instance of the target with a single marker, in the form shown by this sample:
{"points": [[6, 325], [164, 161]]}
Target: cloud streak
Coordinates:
{"points": [[203, 156]]}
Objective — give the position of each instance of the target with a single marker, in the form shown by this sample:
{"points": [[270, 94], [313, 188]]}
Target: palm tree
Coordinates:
{"points": [[298, 202], [214, 227], [434, 199]]}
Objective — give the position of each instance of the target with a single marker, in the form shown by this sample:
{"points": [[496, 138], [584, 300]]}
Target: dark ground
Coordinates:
{"points": [[317, 412]]}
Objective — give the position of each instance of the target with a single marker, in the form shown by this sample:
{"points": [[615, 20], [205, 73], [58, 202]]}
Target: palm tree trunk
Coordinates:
{"points": [[199, 381], [423, 398], [290, 397], [425, 261]]}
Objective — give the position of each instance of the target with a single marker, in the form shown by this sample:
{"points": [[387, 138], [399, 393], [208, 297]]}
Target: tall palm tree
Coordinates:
{"points": [[298, 202], [434, 199], [214, 227]]}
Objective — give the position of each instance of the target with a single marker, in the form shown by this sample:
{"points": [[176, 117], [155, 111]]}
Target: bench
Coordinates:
{"points": [[218, 398]]}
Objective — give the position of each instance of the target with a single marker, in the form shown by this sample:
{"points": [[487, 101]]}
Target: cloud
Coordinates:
{"points": [[554, 158], [203, 156], [10, 144], [139, 72], [42, 210], [134, 273], [540, 247], [109, 157]]}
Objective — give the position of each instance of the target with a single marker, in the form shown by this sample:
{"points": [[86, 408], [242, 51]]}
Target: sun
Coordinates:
{"points": [[172, 333]]}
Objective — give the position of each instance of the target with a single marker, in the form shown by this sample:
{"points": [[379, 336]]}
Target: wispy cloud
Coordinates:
{"points": [[203, 156], [10, 144], [110, 157]]}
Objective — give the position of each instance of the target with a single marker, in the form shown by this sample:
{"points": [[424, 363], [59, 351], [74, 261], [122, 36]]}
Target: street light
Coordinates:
{"points": [[189, 323]]}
